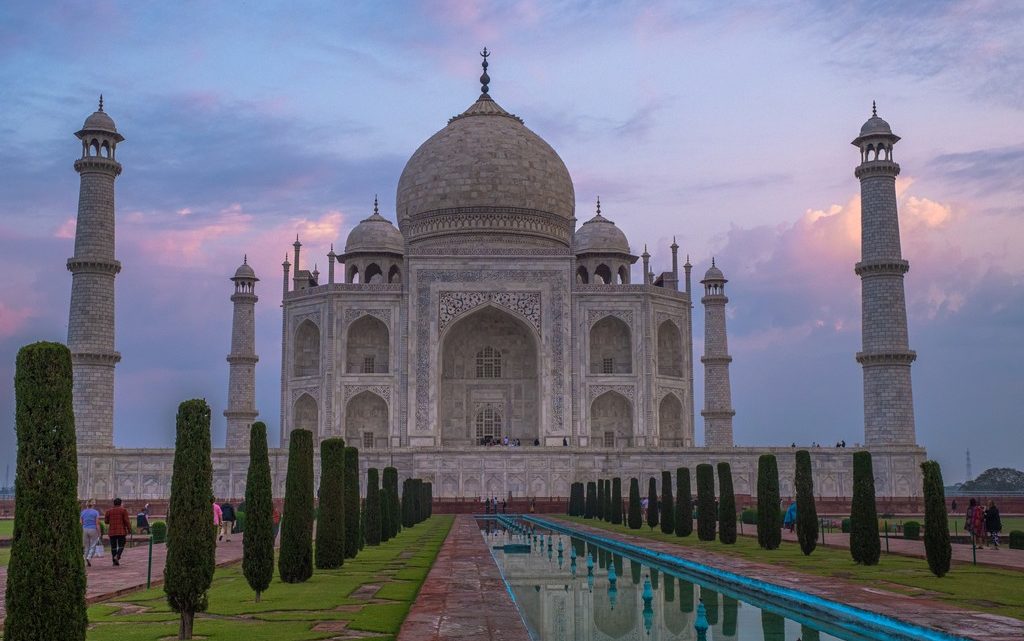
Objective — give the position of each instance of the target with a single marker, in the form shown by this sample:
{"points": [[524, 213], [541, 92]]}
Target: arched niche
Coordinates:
{"points": [[670, 422], [582, 277], [367, 348], [394, 274], [306, 349], [670, 350], [603, 275], [366, 421], [469, 351], [623, 275], [611, 347], [611, 420], [352, 274], [306, 415], [373, 274]]}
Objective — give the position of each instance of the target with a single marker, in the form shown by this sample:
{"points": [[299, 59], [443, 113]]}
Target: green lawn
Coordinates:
{"points": [[980, 587], [956, 522], [6, 528], [291, 611], [5, 557]]}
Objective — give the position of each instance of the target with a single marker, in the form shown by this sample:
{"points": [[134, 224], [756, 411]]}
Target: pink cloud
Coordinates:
{"points": [[66, 229], [13, 319]]}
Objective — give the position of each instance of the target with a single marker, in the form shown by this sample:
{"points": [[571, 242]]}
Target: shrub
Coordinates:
{"points": [[1016, 540], [635, 518], [394, 510], [865, 546], [46, 577], [239, 525], [385, 517], [407, 503], [617, 501], [769, 522], [844, 526], [372, 533], [158, 530], [706, 516], [937, 548], [912, 530], [330, 524], [806, 511], [608, 500], [599, 508], [726, 505], [258, 542], [295, 562], [748, 516], [192, 538], [652, 503], [590, 507], [351, 493], [684, 503], [574, 509], [668, 504]]}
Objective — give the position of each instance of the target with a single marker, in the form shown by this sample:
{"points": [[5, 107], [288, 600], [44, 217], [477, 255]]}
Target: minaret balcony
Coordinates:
{"points": [[96, 358], [93, 265], [895, 357], [98, 163], [882, 267], [877, 168], [716, 360], [243, 358]]}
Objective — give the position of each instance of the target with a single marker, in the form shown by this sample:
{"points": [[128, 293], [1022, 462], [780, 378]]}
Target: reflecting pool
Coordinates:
{"points": [[571, 590]]}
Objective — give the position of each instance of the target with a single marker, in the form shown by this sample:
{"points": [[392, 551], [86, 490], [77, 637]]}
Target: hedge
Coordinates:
{"points": [[258, 542], [684, 503], [1016, 540], [912, 530], [351, 493], [330, 525], [706, 516], [617, 501], [806, 511], [652, 503], [865, 546], [769, 521], [635, 517], [668, 504], [937, 547], [295, 562], [373, 531], [726, 505]]}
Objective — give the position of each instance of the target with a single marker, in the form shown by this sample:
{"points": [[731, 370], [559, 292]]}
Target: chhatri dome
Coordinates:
{"points": [[244, 271], [486, 175], [100, 121], [599, 236], [375, 235]]}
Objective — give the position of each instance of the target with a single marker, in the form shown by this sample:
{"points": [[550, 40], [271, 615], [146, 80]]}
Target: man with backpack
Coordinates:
{"points": [[227, 519]]}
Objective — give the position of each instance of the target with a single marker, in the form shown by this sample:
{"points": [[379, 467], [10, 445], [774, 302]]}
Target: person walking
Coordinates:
{"points": [[90, 518], [993, 523], [119, 526], [227, 519], [218, 519], [789, 521], [976, 519]]}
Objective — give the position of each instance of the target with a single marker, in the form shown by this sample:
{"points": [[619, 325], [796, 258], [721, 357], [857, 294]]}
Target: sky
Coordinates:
{"points": [[724, 125]]}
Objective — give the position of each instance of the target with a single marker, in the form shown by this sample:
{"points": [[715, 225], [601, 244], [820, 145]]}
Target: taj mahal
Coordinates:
{"points": [[482, 313]]}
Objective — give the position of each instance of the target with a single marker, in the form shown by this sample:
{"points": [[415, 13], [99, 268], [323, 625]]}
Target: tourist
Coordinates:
{"points": [[503, 504], [975, 523], [119, 526], [993, 523], [227, 512], [565, 442], [789, 521], [218, 519], [643, 508], [142, 520], [90, 530], [276, 518]]}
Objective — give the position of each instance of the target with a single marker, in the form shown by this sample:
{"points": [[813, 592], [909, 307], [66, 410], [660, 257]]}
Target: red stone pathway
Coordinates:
{"points": [[105, 581], [917, 610], [464, 596]]}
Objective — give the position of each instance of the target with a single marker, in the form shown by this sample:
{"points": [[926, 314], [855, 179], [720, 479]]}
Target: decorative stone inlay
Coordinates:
{"points": [[558, 281], [629, 391], [625, 315], [498, 219], [383, 391], [454, 304], [311, 316], [312, 391], [664, 391], [382, 314], [661, 317]]}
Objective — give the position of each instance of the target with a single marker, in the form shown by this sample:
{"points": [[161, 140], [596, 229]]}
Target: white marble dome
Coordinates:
{"points": [[599, 236], [486, 173], [375, 235], [244, 271]]}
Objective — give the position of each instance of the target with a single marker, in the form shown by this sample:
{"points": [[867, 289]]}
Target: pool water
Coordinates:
{"points": [[560, 599]]}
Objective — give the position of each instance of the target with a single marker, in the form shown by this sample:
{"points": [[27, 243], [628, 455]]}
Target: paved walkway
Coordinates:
{"points": [[920, 610], [104, 580], [464, 596]]}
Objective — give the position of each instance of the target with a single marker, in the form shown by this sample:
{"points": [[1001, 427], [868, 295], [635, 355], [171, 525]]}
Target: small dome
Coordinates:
{"points": [[713, 273], [375, 235], [875, 126], [599, 236], [99, 120], [244, 271]]}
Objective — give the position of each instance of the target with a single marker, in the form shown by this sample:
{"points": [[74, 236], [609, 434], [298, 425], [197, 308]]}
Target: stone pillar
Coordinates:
{"points": [[241, 411], [718, 410], [885, 356], [93, 268]]}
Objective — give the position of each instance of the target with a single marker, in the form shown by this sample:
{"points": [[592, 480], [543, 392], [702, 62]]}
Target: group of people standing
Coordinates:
{"points": [[119, 526], [981, 521]]}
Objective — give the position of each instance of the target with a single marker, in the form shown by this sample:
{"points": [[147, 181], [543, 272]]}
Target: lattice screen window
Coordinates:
{"points": [[488, 363], [608, 366], [609, 439], [368, 440], [488, 422], [368, 364]]}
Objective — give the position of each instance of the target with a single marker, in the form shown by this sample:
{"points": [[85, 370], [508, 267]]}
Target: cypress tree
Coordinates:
{"points": [[684, 503], [571, 507], [769, 521], [617, 501], [372, 533], [394, 521], [258, 542], [599, 508], [608, 500], [635, 518], [668, 504], [385, 515], [45, 596], [590, 508], [865, 546], [577, 499], [351, 492], [652, 503], [407, 503], [295, 563], [430, 499], [706, 516], [806, 512], [330, 527], [726, 505], [936, 522], [191, 535]]}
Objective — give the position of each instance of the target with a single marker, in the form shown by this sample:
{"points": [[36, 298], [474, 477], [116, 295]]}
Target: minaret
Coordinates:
{"points": [[331, 258], [647, 265], [689, 346], [718, 410], [674, 284], [298, 247], [93, 268], [241, 411], [885, 356]]}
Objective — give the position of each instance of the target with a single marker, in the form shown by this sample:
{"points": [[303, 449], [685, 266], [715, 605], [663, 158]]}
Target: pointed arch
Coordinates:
{"points": [[611, 420], [373, 274], [306, 349], [306, 415], [394, 274], [352, 274], [366, 421], [670, 422], [368, 346], [623, 275], [603, 275], [611, 347], [670, 350], [581, 275]]}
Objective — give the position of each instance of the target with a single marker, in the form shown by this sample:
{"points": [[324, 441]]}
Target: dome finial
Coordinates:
{"points": [[712, 261], [874, 109], [245, 259], [484, 78], [101, 102], [598, 205], [375, 211]]}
